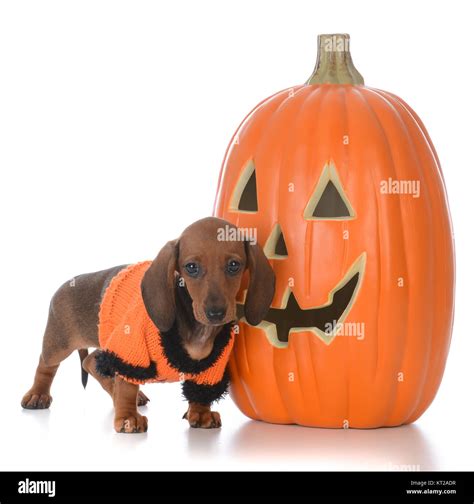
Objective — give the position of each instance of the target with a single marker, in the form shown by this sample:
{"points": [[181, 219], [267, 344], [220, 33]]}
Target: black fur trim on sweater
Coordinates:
{"points": [[206, 394], [108, 363], [179, 359]]}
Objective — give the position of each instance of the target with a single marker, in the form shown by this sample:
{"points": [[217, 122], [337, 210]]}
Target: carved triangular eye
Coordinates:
{"points": [[244, 197], [329, 201], [275, 247], [331, 204]]}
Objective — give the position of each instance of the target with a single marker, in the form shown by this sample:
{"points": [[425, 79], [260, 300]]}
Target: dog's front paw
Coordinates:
{"points": [[203, 419], [131, 424]]}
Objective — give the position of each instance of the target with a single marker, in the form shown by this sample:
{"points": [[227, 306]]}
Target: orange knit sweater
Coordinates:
{"points": [[127, 333]]}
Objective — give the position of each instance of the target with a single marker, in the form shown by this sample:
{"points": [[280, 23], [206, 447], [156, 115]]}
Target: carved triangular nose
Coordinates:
{"points": [[275, 247]]}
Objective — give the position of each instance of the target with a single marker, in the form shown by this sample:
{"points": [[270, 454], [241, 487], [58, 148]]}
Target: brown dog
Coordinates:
{"points": [[201, 309]]}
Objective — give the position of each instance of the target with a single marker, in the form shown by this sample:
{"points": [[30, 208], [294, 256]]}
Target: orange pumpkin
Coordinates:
{"points": [[344, 188]]}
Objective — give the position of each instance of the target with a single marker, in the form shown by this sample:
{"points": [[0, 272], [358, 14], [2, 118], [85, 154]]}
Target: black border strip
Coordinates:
{"points": [[206, 394], [109, 363], [371, 485]]}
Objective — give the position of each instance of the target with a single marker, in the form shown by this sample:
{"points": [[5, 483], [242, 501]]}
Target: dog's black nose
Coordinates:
{"points": [[215, 313]]}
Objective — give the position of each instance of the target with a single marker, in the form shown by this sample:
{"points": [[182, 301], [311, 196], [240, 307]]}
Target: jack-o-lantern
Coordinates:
{"points": [[344, 188]]}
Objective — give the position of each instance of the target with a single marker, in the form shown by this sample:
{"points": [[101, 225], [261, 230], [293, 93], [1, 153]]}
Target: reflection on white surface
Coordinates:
{"points": [[291, 447], [398, 448], [77, 434], [204, 443]]}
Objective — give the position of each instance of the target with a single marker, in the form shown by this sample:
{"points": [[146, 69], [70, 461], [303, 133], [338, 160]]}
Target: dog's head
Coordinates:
{"points": [[208, 263]]}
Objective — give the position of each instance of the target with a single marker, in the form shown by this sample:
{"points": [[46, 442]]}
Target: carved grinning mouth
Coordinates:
{"points": [[323, 321]]}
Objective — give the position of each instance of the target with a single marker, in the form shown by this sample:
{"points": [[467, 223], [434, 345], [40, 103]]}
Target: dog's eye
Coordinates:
{"points": [[192, 269], [233, 267]]}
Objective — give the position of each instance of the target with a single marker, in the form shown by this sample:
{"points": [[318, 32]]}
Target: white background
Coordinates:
{"points": [[114, 119]]}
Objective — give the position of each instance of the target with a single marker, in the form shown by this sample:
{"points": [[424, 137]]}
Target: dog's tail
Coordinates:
{"points": [[83, 353]]}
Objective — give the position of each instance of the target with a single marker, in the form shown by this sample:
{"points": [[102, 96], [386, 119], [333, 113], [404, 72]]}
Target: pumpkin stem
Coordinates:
{"points": [[334, 64]]}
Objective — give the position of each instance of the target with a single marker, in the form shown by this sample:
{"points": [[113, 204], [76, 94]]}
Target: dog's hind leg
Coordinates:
{"points": [[39, 397], [62, 336]]}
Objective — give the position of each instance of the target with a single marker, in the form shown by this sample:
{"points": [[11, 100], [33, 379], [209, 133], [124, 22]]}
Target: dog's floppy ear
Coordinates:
{"points": [[261, 285], [158, 287]]}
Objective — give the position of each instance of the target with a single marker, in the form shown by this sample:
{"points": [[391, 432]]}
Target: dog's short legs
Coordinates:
{"points": [[201, 416], [53, 353], [59, 342], [107, 383], [127, 419], [38, 397]]}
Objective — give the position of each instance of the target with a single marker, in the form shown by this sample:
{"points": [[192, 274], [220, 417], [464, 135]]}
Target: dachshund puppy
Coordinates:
{"points": [[171, 319]]}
